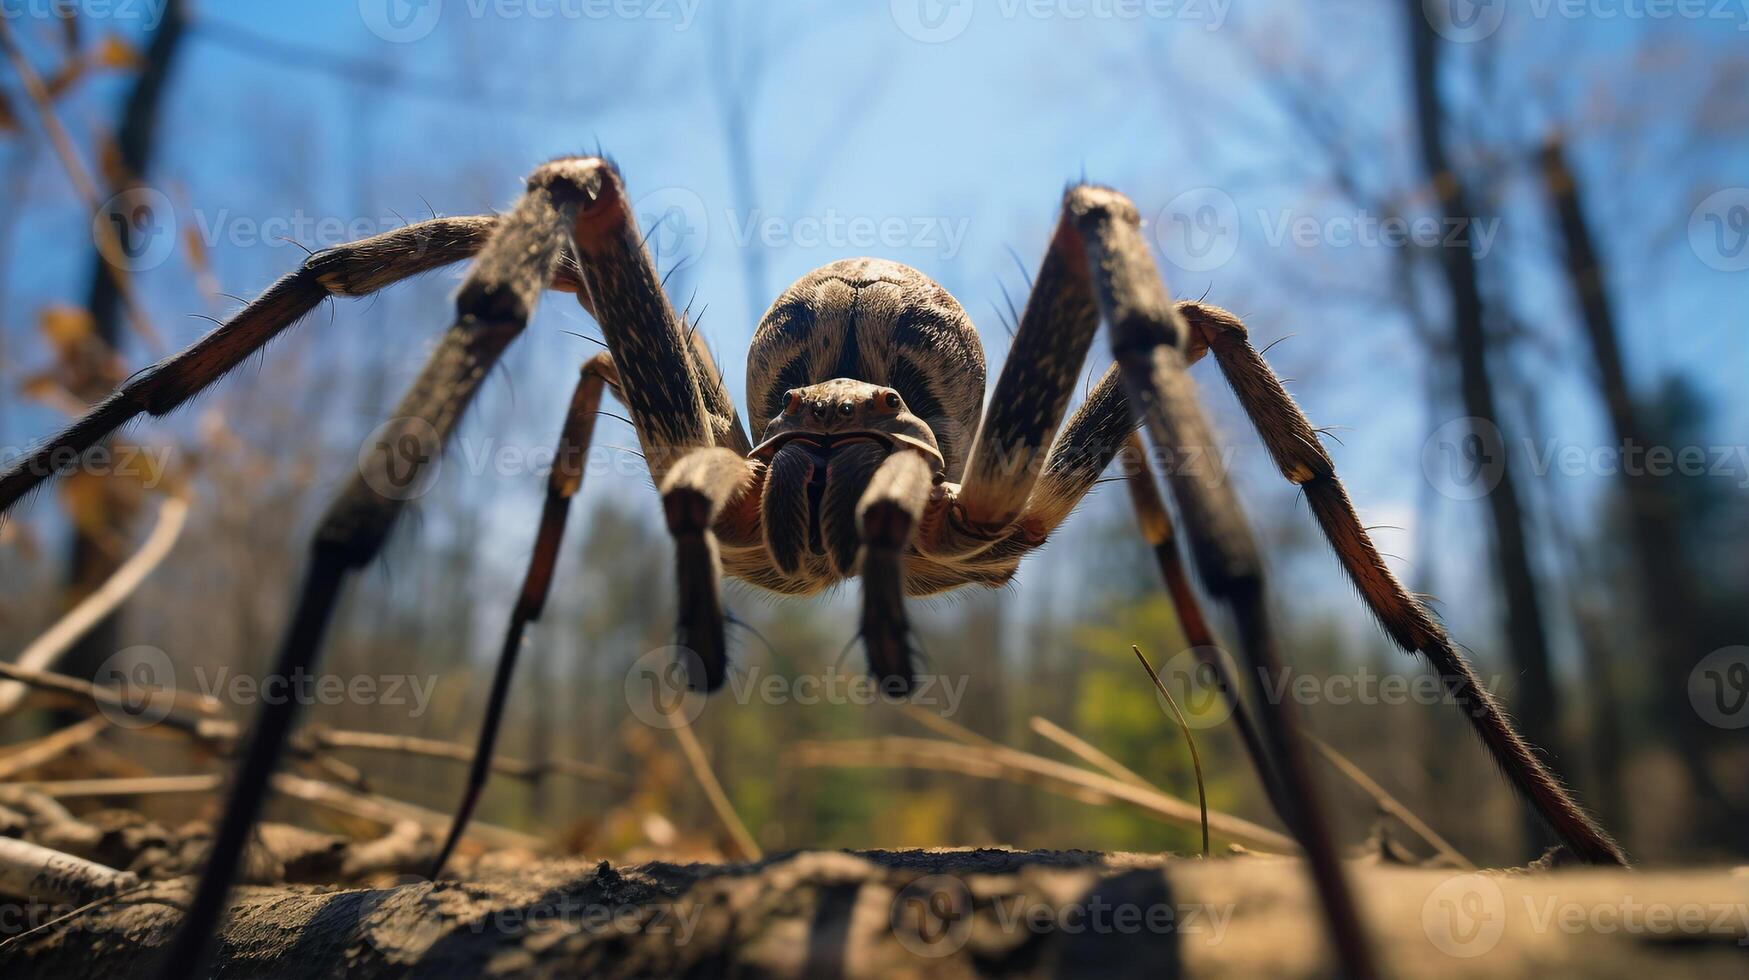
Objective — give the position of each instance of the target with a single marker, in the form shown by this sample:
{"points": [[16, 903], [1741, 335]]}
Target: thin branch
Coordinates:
{"points": [[457, 752], [713, 790], [178, 716], [50, 747], [365, 806], [940, 725], [47, 648], [1026, 768], [1088, 753], [1388, 803]]}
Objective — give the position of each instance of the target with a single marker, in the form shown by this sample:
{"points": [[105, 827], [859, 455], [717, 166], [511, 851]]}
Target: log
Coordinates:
{"points": [[938, 913]]}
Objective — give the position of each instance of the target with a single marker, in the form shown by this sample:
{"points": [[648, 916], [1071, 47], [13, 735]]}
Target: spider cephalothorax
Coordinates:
{"points": [[879, 322], [876, 460]]}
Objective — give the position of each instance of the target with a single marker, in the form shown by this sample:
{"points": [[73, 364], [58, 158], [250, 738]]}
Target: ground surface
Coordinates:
{"points": [[930, 913]]}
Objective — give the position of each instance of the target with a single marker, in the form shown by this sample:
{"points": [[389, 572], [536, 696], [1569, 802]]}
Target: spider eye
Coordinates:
{"points": [[793, 401], [845, 409], [892, 400]]}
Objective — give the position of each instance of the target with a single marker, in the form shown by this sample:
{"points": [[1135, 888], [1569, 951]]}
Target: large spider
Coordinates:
{"points": [[875, 458]]}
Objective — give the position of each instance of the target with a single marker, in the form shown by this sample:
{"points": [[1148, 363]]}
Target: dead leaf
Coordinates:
{"points": [[116, 53], [67, 328]]}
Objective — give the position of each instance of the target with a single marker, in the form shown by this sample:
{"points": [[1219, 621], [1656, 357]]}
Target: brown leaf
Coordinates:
{"points": [[42, 387], [67, 329], [115, 52]]}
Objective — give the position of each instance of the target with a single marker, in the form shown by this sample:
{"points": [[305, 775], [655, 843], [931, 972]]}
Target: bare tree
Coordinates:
{"points": [[1526, 634], [1665, 580], [91, 558]]}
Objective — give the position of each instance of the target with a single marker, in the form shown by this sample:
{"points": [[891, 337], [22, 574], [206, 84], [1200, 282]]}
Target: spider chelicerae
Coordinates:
{"points": [[876, 459]]}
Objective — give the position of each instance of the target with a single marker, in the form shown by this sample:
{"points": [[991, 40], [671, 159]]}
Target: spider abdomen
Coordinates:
{"points": [[877, 322]]}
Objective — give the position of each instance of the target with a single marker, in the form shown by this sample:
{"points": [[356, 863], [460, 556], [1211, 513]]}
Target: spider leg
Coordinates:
{"points": [[1301, 458], [1089, 441], [1040, 374], [886, 516], [695, 492], [563, 484], [355, 269], [662, 382], [725, 420], [676, 399], [516, 263], [1147, 338]]}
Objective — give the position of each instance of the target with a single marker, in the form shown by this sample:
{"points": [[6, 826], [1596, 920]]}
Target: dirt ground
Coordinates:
{"points": [[938, 913]]}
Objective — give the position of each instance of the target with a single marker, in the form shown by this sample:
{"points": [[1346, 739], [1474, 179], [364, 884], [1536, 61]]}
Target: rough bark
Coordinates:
{"points": [[920, 913]]}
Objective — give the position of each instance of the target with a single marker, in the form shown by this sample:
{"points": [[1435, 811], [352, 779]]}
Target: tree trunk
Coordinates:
{"points": [[1535, 697], [1654, 524], [91, 560], [962, 913]]}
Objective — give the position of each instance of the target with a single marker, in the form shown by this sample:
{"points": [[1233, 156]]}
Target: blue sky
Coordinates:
{"points": [[944, 130]]}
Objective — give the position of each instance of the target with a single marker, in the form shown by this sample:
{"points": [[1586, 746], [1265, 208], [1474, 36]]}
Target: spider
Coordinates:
{"points": [[876, 459]]}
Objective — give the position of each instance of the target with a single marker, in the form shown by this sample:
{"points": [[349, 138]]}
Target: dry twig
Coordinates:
{"points": [[713, 790], [50, 747], [1388, 803], [1032, 770], [47, 648], [1089, 753]]}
